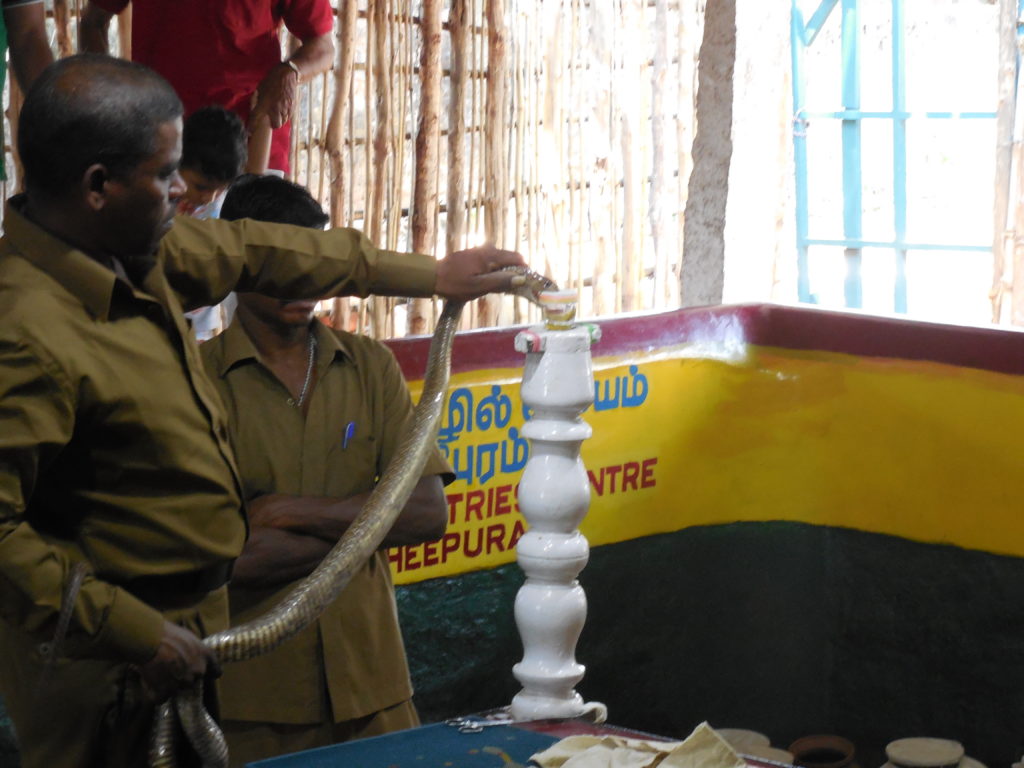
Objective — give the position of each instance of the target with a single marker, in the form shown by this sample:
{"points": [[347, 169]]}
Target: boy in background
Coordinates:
{"points": [[213, 154]]}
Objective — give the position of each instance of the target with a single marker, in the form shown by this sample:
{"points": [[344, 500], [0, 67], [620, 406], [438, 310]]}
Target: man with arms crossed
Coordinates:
{"points": [[315, 415]]}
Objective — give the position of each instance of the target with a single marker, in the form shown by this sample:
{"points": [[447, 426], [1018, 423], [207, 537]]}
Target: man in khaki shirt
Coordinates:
{"points": [[114, 449], [315, 416]]}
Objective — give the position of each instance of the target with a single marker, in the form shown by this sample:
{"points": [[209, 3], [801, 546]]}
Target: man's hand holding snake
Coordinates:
{"points": [[469, 274]]}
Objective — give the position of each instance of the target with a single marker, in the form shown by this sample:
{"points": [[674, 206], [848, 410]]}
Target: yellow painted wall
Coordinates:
{"points": [[741, 433]]}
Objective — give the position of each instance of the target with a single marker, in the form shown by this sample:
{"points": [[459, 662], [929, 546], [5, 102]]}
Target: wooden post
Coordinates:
{"points": [[455, 201], [334, 141], [17, 98], [495, 159], [62, 23], [689, 32], [124, 33], [659, 212], [1004, 155], [703, 269], [632, 166], [1016, 227], [424, 207], [296, 130], [603, 183], [379, 13]]}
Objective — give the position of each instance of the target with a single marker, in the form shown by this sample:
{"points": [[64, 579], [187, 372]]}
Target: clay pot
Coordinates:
{"points": [[823, 751]]}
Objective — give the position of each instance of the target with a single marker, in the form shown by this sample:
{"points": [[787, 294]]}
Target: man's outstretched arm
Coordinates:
{"points": [[204, 260]]}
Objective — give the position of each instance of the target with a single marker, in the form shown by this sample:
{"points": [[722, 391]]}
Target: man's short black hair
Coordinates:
{"points": [[88, 109], [271, 198], [213, 143]]}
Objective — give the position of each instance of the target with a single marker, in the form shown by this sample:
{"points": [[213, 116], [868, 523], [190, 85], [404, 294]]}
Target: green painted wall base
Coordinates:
{"points": [[785, 628]]}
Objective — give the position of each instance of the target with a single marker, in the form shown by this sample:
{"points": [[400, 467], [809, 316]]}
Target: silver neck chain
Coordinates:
{"points": [[309, 370]]}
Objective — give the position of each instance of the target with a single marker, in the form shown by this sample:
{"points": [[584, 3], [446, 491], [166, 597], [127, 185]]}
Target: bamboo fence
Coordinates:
{"points": [[559, 128]]}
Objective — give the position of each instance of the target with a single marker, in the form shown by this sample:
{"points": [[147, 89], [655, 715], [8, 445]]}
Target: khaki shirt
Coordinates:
{"points": [[113, 444], [352, 662]]}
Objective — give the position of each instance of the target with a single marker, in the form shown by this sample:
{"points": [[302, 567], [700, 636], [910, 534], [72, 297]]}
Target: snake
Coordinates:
{"points": [[308, 598]]}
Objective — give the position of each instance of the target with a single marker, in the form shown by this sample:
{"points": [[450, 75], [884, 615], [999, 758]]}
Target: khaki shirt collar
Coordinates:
{"points": [[81, 275], [238, 347]]}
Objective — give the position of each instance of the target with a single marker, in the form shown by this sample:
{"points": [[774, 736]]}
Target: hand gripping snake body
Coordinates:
{"points": [[308, 599]]}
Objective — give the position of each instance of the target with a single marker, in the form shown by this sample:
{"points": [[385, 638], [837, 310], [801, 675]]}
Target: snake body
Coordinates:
{"points": [[308, 598]]}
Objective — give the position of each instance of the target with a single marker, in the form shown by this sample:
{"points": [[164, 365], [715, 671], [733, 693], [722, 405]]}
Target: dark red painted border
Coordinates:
{"points": [[992, 349]]}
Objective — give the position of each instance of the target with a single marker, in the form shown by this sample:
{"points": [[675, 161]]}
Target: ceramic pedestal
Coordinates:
{"points": [[554, 495]]}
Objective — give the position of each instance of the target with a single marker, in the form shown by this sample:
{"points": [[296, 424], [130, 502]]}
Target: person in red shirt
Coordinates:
{"points": [[226, 52]]}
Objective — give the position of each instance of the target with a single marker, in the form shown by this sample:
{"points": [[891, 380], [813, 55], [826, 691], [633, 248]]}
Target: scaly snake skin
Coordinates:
{"points": [[308, 599]]}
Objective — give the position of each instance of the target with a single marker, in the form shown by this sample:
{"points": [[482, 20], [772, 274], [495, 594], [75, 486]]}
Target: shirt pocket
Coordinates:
{"points": [[353, 465]]}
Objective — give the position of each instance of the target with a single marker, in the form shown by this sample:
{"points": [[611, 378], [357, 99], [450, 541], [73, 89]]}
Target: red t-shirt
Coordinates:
{"points": [[218, 51]]}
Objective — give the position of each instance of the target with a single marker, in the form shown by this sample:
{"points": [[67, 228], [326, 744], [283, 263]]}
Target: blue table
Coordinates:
{"points": [[430, 746]]}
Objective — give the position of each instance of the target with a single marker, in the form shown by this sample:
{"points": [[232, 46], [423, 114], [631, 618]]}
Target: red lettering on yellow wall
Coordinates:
{"points": [[647, 473], [630, 473], [634, 476], [501, 500], [450, 543], [495, 538], [475, 505], [467, 511], [517, 532], [453, 503], [429, 554], [486, 540]]}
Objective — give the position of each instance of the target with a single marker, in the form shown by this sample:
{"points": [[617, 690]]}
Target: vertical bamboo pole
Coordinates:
{"points": [[455, 222], [585, 265], [1016, 226], [381, 134], [495, 157], [568, 123], [363, 315], [632, 170], [615, 157], [323, 163], [561, 190], [689, 34], [603, 186], [659, 214], [533, 220], [17, 98], [1007, 77], [62, 23], [519, 102], [400, 72], [350, 156], [293, 142], [476, 132], [549, 149], [306, 92], [334, 144], [124, 33]]}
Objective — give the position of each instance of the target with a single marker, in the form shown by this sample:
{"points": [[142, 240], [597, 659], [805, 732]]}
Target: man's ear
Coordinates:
{"points": [[94, 186]]}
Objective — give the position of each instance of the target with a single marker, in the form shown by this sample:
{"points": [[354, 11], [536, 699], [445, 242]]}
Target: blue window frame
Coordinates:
{"points": [[851, 119]]}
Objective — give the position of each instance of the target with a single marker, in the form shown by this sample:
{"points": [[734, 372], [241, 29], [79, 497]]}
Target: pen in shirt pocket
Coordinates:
{"points": [[350, 432]]}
